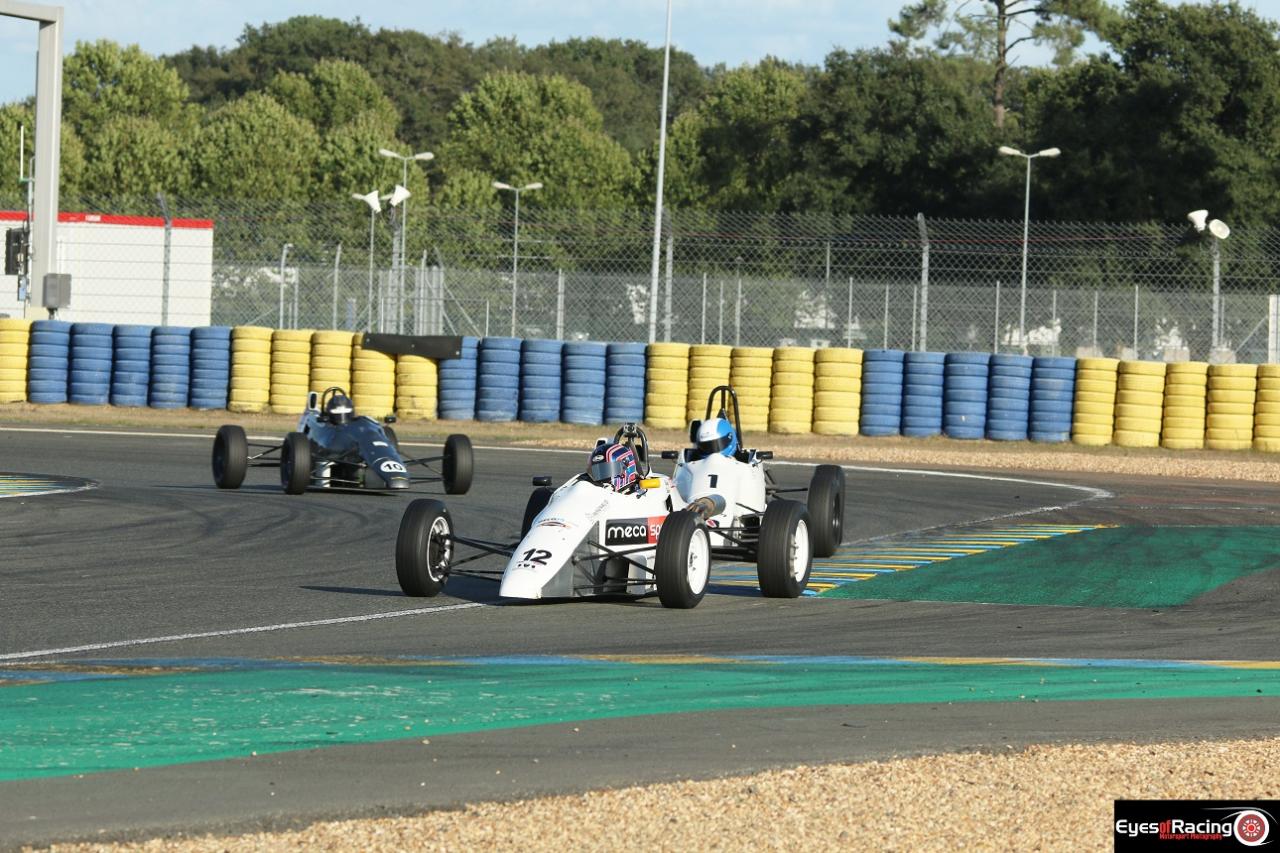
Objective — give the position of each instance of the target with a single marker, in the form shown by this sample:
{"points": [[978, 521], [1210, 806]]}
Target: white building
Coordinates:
{"points": [[117, 269]]}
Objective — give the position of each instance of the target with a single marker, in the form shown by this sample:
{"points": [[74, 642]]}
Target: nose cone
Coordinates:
{"points": [[521, 583], [397, 483]]}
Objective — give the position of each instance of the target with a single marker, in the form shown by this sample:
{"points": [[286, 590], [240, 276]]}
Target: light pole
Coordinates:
{"points": [[1026, 221], [284, 254], [657, 207], [395, 199], [1219, 231], [405, 159], [375, 207], [515, 242]]}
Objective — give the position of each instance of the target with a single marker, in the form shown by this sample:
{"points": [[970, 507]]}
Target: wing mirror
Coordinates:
{"points": [[670, 454], [651, 483], [542, 481], [764, 454], [389, 419]]}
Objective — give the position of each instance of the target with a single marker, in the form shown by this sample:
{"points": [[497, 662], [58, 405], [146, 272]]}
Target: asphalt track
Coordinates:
{"points": [[157, 565]]}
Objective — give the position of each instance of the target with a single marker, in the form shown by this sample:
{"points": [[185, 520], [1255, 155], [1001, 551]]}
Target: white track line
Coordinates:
{"points": [[258, 629]]}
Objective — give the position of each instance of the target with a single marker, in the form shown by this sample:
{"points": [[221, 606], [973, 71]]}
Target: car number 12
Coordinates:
{"points": [[536, 555]]}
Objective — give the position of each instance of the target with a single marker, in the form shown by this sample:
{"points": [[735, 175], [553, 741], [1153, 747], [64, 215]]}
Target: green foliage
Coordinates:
{"points": [[71, 156], [334, 93], [254, 148]]}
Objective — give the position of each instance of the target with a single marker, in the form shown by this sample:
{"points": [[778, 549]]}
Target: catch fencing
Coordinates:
{"points": [[1141, 290]]}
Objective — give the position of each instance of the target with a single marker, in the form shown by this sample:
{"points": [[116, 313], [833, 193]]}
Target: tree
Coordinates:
{"points": [[992, 29], [253, 148], [71, 157], [333, 93], [103, 80]]}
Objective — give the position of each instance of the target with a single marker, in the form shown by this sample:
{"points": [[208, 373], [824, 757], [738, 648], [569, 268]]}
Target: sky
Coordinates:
{"points": [[732, 32]]}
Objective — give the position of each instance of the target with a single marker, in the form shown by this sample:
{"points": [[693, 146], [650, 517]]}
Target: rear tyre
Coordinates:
{"points": [[826, 509], [682, 565], [459, 464], [295, 464], [424, 548], [538, 501], [230, 457], [785, 553]]}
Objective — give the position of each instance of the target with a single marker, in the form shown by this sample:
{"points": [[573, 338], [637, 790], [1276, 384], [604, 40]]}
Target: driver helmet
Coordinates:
{"points": [[613, 465], [339, 409], [716, 435]]}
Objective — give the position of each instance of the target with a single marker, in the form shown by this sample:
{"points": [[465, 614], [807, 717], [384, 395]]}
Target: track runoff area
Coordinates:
{"points": [[176, 657]]}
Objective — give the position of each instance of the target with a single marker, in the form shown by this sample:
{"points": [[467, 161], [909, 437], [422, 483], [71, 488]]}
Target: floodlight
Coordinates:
{"points": [[424, 155], [1049, 152], [398, 195], [536, 185], [370, 199], [499, 185], [1010, 152], [386, 152], [1219, 229], [1197, 218]]}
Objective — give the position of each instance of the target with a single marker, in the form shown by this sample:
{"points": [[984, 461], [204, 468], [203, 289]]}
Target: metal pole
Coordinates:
{"points": [[886, 317], [1095, 322], [337, 260], [560, 305], [284, 253], [848, 317], [662, 163], [666, 309], [995, 337], [913, 319], [369, 303], [1135, 322], [1026, 220], [44, 225], [737, 315], [486, 318], [924, 282], [702, 334], [404, 250], [515, 264], [168, 242], [1053, 321], [1217, 293], [720, 317]]}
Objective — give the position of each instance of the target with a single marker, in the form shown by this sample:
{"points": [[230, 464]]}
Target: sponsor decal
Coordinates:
{"points": [[554, 522], [633, 531], [380, 444], [390, 466], [1230, 824]]}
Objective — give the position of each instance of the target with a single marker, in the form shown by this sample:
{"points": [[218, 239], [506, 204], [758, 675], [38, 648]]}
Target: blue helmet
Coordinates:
{"points": [[715, 435]]}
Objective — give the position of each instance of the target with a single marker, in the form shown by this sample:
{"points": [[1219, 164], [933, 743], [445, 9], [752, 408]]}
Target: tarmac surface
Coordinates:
{"points": [[156, 564]]}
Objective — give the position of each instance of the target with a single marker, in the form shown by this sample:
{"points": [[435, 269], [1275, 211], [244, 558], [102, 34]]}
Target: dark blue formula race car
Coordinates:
{"points": [[333, 448]]}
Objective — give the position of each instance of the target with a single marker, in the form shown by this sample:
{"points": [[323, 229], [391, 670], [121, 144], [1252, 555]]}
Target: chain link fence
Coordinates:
{"points": [[1144, 290]]}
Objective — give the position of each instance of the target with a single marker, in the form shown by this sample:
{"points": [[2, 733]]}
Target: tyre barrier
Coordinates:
{"points": [[49, 361], [131, 365], [1053, 388], [417, 387], [498, 379], [666, 387], [1266, 410], [170, 367], [1139, 403], [373, 380], [457, 388], [290, 369], [541, 375], [751, 376], [881, 404], [1094, 407], [249, 389], [90, 373], [837, 390], [582, 394], [922, 376], [1009, 397], [791, 391], [15, 341], [210, 366], [1185, 387], [964, 394], [624, 383], [709, 366], [330, 361], [1233, 391]]}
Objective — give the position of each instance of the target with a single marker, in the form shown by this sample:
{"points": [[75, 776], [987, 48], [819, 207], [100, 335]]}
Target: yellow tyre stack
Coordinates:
{"points": [[791, 393], [1139, 404], [1266, 411], [290, 370], [250, 388], [373, 380], [751, 375], [837, 391], [708, 367], [1184, 405], [15, 338], [666, 395], [331, 360], [1233, 390], [417, 387], [1093, 410]]}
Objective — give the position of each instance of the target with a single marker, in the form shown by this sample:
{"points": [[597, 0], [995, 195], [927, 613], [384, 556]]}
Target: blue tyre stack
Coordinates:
{"points": [[457, 392], [48, 361], [1009, 397], [131, 367], [91, 353], [170, 367], [964, 394], [584, 383], [540, 381], [498, 385], [624, 384], [922, 394], [882, 382], [1053, 388], [210, 367]]}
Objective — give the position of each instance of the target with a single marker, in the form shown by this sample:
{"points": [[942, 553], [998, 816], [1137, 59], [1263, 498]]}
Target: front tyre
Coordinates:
{"points": [[538, 500], [392, 439], [230, 457], [295, 464], [424, 548], [785, 553], [458, 464], [826, 509], [682, 564]]}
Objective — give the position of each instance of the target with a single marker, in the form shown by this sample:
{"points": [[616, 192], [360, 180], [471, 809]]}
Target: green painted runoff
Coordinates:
{"points": [[1145, 567]]}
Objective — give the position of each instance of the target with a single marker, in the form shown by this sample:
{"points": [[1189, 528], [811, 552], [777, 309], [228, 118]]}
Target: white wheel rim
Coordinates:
{"points": [[799, 555], [439, 530], [699, 567]]}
